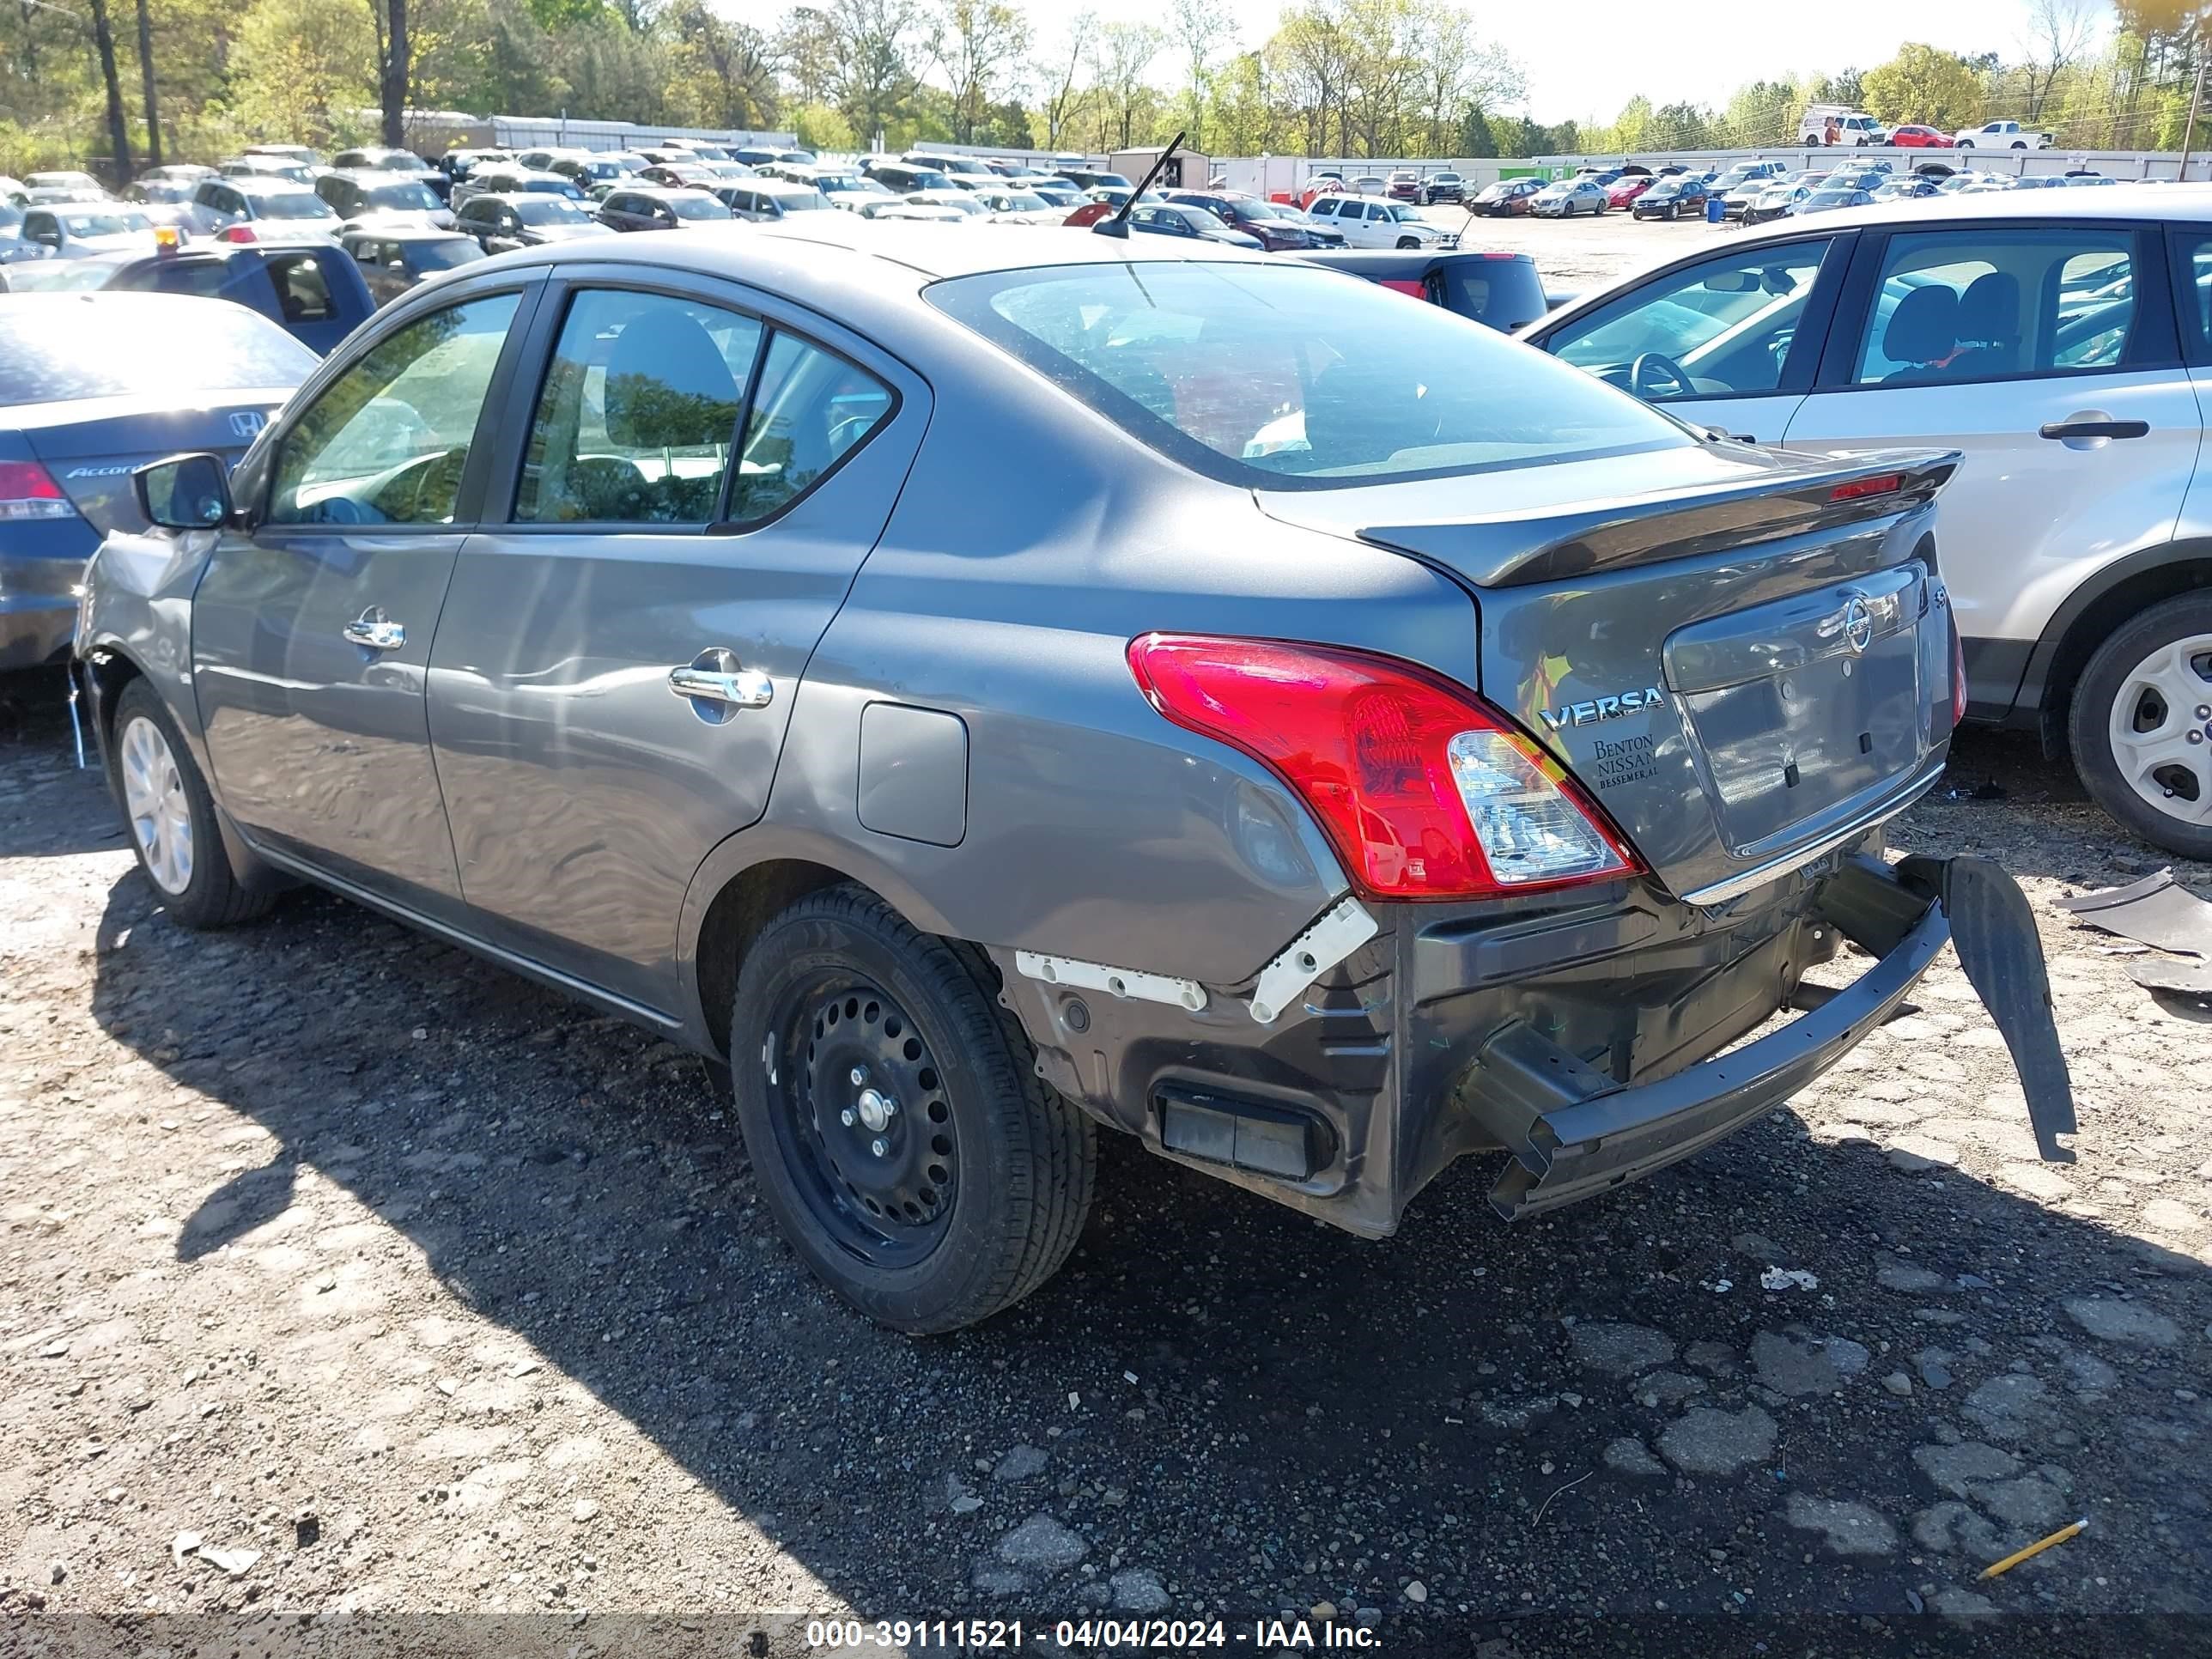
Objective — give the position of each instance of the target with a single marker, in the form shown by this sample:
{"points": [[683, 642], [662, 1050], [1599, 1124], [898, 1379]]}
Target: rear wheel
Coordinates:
{"points": [[2019, 146], [2141, 725], [905, 1144], [171, 816]]}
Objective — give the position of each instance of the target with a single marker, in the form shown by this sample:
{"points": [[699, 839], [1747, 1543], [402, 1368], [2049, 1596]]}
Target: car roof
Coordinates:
{"points": [[246, 184], [508, 198], [2122, 202]]}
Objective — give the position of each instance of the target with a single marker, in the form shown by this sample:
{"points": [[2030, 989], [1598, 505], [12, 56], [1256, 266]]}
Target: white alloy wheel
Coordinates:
{"points": [[154, 796], [2161, 728]]}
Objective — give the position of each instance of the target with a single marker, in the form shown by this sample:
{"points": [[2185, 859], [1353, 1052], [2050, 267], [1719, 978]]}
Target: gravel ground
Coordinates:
{"points": [[341, 1274], [1577, 255]]}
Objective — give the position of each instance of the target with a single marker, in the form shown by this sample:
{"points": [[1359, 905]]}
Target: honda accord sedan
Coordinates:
{"points": [[977, 687], [92, 386]]}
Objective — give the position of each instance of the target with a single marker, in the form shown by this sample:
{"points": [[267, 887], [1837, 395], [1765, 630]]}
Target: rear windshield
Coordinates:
{"points": [[444, 255], [404, 194], [51, 352], [697, 207], [301, 206], [1283, 377], [551, 211]]}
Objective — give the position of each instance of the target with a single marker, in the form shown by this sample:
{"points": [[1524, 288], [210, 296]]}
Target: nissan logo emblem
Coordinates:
{"points": [[1858, 625]]}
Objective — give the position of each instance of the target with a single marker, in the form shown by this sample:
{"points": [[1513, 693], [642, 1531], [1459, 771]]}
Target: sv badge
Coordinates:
{"points": [[1601, 708]]}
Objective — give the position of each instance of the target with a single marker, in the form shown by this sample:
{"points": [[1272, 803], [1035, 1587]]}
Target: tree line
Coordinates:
{"points": [[196, 79]]}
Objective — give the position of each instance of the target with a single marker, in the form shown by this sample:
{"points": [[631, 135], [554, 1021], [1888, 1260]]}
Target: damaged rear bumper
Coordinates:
{"points": [[1588, 1039]]}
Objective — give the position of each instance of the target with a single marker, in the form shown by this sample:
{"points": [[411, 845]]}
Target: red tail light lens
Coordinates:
{"points": [[1882, 483], [28, 490], [236, 233], [1425, 792]]}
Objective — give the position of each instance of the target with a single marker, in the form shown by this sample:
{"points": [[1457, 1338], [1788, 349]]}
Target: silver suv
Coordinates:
{"points": [[973, 688], [2064, 353]]}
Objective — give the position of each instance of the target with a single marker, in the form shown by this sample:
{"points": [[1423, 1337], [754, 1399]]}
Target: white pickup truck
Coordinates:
{"points": [[2001, 135]]}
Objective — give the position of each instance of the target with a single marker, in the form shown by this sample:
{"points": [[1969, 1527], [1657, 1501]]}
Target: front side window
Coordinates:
{"points": [[1721, 329], [1978, 305], [638, 412], [387, 440], [302, 289], [1291, 376]]}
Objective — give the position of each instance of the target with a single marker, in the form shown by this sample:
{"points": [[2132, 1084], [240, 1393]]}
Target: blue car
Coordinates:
{"points": [[315, 292], [92, 386]]}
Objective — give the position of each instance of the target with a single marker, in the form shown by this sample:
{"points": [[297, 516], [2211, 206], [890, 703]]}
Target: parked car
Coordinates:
{"points": [[501, 223], [1913, 136], [509, 180], [297, 155], [241, 209], [1913, 189], [394, 197], [66, 179], [766, 200], [2001, 135], [1445, 187], [92, 386], [1085, 178], [1839, 123], [458, 164], [1499, 290], [955, 167], [158, 192], [902, 179], [724, 786], [654, 207], [1779, 199], [392, 259], [76, 230], [2045, 338], [269, 167], [305, 289], [1007, 205], [380, 158], [1828, 199], [1367, 222], [1188, 223], [1404, 186], [1567, 197], [1272, 224], [1673, 196], [1507, 197], [845, 188], [682, 175], [1623, 192]]}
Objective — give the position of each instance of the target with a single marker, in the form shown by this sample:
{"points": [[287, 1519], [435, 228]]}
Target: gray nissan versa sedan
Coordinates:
{"points": [[973, 685]]}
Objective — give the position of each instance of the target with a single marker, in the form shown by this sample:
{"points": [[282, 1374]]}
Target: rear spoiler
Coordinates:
{"points": [[1643, 530]]}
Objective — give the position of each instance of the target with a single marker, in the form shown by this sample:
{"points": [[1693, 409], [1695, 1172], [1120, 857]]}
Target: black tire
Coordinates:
{"points": [[2020, 146], [1405, 242], [1011, 1164], [2090, 717], [1964, 144], [213, 896]]}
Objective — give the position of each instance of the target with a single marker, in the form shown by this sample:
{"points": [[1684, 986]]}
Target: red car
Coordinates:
{"points": [[1405, 186], [1918, 137], [1623, 192]]}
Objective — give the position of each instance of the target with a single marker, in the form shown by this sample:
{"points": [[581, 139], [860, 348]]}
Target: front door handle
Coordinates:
{"points": [[714, 676], [2096, 425], [376, 631]]}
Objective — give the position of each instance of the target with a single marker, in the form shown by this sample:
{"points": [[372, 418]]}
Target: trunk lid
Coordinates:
{"points": [[91, 447], [1743, 654]]}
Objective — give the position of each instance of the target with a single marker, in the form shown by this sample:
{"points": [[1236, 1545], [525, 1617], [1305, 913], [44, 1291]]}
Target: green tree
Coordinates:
{"points": [[1923, 84]]}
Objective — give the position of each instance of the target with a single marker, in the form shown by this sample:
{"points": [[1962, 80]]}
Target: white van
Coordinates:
{"points": [[1839, 123]]}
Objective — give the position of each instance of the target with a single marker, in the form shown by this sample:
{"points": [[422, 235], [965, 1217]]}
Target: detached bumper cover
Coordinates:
{"points": [[1573, 1131]]}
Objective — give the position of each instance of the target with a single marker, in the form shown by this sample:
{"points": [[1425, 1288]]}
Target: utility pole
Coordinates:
{"points": [[2189, 130]]}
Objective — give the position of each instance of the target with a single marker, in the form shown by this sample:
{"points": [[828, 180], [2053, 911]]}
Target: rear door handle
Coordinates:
{"points": [[714, 676], [2093, 429], [376, 631]]}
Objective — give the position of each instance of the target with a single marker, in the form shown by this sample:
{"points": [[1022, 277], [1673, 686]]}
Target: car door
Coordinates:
{"points": [[312, 625], [2046, 353], [617, 662], [1730, 341], [40, 226]]}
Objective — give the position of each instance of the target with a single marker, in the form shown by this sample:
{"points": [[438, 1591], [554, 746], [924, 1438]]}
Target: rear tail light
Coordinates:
{"points": [[1425, 792], [1882, 483], [236, 233], [28, 490]]}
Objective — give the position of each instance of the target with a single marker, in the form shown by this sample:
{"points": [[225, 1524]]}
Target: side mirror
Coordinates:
{"points": [[185, 492]]}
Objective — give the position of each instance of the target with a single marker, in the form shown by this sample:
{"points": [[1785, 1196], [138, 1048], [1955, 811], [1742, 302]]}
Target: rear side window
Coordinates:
{"points": [[1291, 377], [812, 408], [639, 412], [301, 288], [1978, 305]]}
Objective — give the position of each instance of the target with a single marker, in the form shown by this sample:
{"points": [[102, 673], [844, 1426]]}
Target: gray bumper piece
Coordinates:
{"points": [[1574, 1132]]}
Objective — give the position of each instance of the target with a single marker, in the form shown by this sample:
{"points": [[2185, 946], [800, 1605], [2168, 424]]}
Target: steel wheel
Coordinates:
{"points": [[2161, 729], [154, 799], [861, 1112]]}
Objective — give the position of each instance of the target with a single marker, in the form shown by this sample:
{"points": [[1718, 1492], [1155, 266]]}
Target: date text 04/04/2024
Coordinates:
{"points": [[977, 1635]]}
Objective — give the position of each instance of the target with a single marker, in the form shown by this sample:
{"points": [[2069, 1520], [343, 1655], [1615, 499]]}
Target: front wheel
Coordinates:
{"points": [[905, 1144], [2141, 725], [1409, 241], [1965, 143], [171, 816]]}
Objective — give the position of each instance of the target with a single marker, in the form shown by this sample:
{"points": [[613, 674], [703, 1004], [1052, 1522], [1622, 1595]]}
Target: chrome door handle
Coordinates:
{"points": [[714, 676], [376, 631]]}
